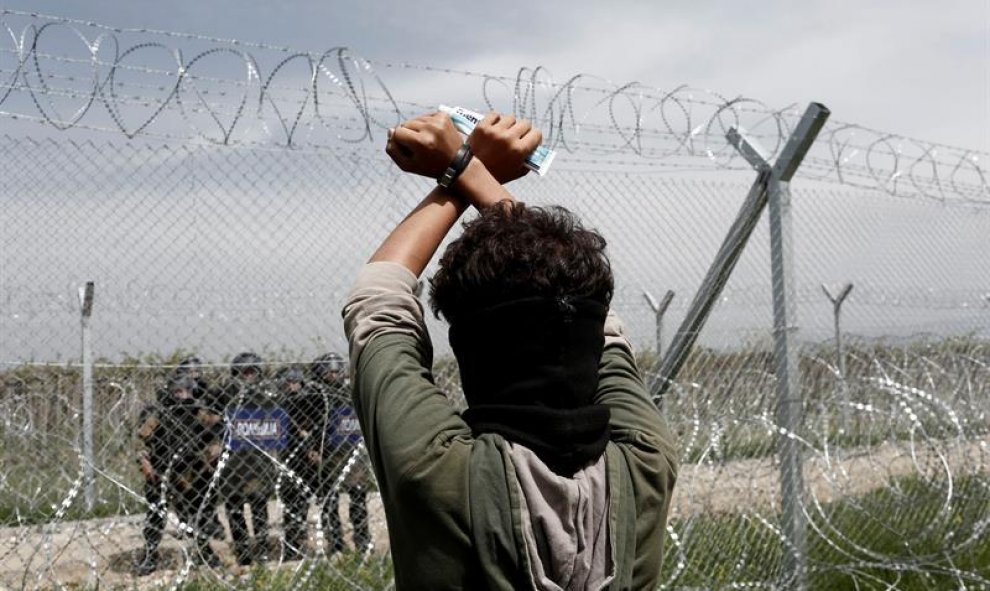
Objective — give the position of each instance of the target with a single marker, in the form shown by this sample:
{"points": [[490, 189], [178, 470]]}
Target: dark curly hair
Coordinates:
{"points": [[513, 251]]}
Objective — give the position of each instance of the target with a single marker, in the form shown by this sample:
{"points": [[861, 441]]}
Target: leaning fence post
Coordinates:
{"points": [[790, 404], [711, 286], [839, 353], [732, 246], [86, 310], [659, 309]]}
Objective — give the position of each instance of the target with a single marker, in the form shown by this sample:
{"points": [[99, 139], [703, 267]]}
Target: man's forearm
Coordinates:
{"points": [[477, 186], [414, 241]]}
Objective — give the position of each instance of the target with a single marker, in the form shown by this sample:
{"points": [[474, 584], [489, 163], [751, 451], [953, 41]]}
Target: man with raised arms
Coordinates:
{"points": [[559, 473]]}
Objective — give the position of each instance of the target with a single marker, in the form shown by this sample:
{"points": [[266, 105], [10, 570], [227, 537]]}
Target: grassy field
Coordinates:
{"points": [[864, 550], [901, 537], [908, 533], [348, 574]]}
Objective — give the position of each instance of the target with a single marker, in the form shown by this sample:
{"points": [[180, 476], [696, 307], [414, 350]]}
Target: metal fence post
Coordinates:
{"points": [[659, 309], [86, 311], [790, 403], [772, 185], [839, 353], [738, 235]]}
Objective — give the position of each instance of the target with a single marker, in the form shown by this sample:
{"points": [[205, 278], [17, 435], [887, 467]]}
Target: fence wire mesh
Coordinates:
{"points": [[213, 225]]}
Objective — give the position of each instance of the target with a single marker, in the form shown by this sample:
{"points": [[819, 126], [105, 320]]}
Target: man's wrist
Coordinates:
{"points": [[456, 167], [476, 186]]}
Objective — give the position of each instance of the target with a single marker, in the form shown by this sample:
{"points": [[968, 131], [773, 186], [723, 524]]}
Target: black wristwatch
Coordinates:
{"points": [[457, 166]]}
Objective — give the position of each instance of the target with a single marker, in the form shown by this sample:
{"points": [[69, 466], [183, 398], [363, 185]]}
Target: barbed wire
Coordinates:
{"points": [[896, 440], [300, 99], [916, 441]]}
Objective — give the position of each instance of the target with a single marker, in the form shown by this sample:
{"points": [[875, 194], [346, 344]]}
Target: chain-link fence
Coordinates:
{"points": [[244, 237]]}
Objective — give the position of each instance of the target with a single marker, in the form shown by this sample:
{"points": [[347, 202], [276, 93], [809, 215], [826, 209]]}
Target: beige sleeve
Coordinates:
{"points": [[383, 301], [615, 331]]}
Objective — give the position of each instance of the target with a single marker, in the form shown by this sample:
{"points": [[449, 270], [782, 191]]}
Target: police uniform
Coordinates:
{"points": [[192, 367], [346, 454], [310, 470], [179, 439], [256, 431]]}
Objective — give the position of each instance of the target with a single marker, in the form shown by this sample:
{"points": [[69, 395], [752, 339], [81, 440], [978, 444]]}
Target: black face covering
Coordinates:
{"points": [[529, 369]]}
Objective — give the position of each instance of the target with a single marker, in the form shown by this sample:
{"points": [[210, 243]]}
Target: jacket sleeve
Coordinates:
{"points": [[633, 415], [647, 445], [407, 421]]}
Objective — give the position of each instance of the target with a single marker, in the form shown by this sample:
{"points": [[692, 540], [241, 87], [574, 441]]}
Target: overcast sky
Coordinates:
{"points": [[920, 69], [912, 67]]}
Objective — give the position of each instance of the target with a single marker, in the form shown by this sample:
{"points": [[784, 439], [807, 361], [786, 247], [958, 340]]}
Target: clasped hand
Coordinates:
{"points": [[427, 144]]}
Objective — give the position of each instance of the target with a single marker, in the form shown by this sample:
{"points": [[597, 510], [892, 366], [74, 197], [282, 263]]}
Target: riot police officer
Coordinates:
{"points": [[192, 367], [309, 470], [256, 434], [178, 446], [343, 443]]}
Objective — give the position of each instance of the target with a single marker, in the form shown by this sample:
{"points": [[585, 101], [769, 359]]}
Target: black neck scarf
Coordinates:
{"points": [[529, 369]]}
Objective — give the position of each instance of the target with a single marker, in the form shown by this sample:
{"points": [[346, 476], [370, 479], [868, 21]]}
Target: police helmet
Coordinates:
{"points": [[289, 374], [244, 362], [326, 363], [189, 365]]}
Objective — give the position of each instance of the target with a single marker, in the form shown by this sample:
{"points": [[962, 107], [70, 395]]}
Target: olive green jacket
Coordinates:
{"points": [[454, 509]]}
